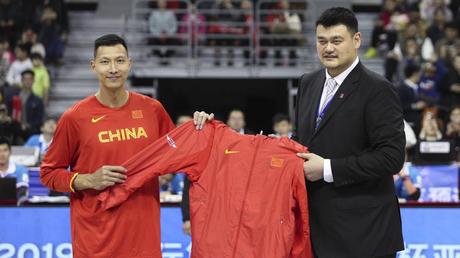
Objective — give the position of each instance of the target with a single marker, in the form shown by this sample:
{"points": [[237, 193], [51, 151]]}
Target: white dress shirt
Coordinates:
{"points": [[327, 170]]}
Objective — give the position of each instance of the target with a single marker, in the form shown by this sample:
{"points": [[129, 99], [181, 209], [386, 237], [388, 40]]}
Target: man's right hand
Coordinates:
{"points": [[186, 227], [104, 177]]}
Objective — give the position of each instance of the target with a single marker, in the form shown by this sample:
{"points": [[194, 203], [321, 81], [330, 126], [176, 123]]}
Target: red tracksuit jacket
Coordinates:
{"points": [[247, 198]]}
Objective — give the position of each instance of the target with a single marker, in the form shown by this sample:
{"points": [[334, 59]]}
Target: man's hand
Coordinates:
{"points": [[186, 227], [455, 87], [103, 177], [200, 118], [419, 105], [313, 166]]}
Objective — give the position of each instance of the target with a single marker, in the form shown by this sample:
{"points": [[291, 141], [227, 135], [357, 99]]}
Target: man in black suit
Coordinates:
{"points": [[351, 120], [411, 102]]}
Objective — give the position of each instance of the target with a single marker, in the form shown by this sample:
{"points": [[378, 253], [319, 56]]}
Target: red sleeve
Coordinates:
{"points": [[301, 248], [183, 149], [54, 171]]}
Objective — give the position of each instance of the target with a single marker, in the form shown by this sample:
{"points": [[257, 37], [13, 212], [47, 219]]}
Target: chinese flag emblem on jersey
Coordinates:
{"points": [[137, 114]]}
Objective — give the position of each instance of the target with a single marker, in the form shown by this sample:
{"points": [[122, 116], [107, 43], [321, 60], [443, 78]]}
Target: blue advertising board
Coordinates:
{"points": [[44, 232], [438, 183]]}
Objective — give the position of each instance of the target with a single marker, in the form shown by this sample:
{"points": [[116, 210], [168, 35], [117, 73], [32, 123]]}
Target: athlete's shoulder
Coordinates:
{"points": [[79, 109], [146, 100]]}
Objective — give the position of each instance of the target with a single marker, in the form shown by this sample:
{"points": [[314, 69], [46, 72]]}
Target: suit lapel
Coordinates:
{"points": [[315, 96], [342, 94]]}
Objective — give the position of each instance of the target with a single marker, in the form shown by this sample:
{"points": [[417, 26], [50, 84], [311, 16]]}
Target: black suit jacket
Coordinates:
{"points": [[362, 133]]}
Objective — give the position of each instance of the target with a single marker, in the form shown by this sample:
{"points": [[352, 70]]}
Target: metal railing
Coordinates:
{"points": [[242, 34]]}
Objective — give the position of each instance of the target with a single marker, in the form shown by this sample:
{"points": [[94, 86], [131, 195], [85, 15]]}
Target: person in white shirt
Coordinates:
{"points": [[22, 63]]}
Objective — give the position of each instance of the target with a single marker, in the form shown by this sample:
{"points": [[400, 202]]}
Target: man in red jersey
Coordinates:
{"points": [[92, 139]]}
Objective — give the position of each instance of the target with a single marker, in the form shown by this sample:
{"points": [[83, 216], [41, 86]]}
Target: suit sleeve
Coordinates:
{"points": [[385, 155], [183, 149], [54, 171], [185, 204], [296, 115], [301, 246]]}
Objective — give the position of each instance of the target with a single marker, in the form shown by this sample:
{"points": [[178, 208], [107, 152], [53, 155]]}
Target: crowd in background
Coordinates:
{"points": [[33, 34], [226, 25], [419, 41]]}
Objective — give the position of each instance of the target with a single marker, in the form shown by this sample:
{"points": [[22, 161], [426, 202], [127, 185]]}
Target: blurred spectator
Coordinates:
{"points": [[384, 34], [247, 23], [453, 128], [237, 122], [282, 126], [11, 20], [410, 100], [196, 22], [26, 106], [286, 27], [42, 79], [429, 7], [390, 38], [223, 25], [43, 140], [53, 30], [10, 169], [10, 129], [408, 183], [450, 84], [19, 65], [6, 58], [436, 31], [429, 83], [430, 127], [447, 47], [398, 59], [30, 39], [163, 27]]}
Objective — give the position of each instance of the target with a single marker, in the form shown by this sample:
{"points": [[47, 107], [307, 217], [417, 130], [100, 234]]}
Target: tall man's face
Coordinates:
{"points": [[112, 66], [337, 47]]}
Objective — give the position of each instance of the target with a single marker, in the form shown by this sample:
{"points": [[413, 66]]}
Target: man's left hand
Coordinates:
{"points": [[313, 166], [200, 118]]}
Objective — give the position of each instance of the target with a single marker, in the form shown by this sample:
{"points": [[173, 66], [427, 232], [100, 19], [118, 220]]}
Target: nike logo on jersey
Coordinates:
{"points": [[227, 151], [96, 119]]}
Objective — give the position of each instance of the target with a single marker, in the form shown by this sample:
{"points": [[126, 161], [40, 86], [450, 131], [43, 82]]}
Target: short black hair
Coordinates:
{"points": [[28, 71], [338, 16], [4, 140], [35, 56], [48, 118], [451, 25], [109, 40], [454, 106], [280, 118], [24, 48], [411, 69]]}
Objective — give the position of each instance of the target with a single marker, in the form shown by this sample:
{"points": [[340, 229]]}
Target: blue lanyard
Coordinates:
{"points": [[321, 115]]}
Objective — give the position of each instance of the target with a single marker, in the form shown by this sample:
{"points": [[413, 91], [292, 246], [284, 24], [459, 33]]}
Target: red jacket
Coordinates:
{"points": [[247, 198]]}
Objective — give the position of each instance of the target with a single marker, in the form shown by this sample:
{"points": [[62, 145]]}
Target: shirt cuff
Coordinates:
{"points": [[327, 171]]}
